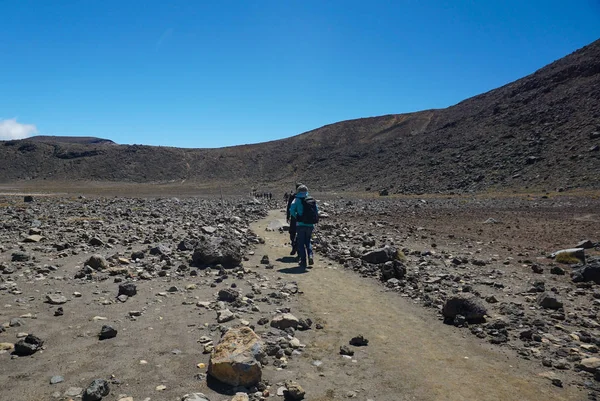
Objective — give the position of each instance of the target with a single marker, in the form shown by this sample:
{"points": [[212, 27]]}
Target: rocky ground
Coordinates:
{"points": [[124, 298], [485, 265], [131, 295]]}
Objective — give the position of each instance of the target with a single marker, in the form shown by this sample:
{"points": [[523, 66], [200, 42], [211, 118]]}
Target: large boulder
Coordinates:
{"points": [[468, 306], [217, 250], [236, 359], [380, 255], [585, 273]]}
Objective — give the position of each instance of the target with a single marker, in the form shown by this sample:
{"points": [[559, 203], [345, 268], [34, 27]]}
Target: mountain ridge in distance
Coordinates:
{"points": [[539, 132]]}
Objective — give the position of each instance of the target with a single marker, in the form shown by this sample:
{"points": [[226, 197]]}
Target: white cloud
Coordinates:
{"points": [[11, 129]]}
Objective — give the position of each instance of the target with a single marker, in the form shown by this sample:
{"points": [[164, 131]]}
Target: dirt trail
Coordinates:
{"points": [[411, 355]]}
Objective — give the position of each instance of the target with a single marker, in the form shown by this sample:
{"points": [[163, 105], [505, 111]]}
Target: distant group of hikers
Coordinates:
{"points": [[302, 214], [264, 195]]}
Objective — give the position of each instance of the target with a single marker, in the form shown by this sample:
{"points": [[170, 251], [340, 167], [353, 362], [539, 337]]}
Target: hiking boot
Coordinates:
{"points": [[293, 252], [311, 261]]}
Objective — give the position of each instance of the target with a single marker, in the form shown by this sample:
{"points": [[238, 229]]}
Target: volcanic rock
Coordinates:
{"points": [[469, 307], [216, 250], [548, 300], [107, 332], [20, 256], [236, 358], [96, 390], [228, 295], [585, 273], [28, 346], [293, 391], [585, 244], [129, 289], [56, 299], [359, 341], [97, 262], [284, 321], [381, 255]]}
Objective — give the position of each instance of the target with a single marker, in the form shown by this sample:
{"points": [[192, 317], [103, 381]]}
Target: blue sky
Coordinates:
{"points": [[210, 74]]}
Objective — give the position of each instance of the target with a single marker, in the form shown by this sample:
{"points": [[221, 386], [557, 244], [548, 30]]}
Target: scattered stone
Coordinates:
{"points": [[160, 249], [381, 255], [537, 268], [28, 346], [56, 299], [293, 391], [195, 397], [468, 306], [228, 295], [20, 256], [6, 346], [56, 379], [284, 321], [97, 262], [557, 270], [73, 392], [240, 397], [33, 238], [95, 241], [345, 350], [585, 244], [225, 315], [265, 260], [589, 364], [129, 289], [586, 273], [59, 311], [96, 390], [548, 300], [237, 358], [107, 332], [359, 341]]}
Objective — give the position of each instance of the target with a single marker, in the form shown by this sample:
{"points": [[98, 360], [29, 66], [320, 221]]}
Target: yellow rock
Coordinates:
{"points": [[235, 360], [6, 346], [201, 365]]}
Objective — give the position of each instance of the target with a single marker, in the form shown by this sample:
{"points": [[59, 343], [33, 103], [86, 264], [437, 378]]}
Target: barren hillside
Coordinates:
{"points": [[540, 132]]}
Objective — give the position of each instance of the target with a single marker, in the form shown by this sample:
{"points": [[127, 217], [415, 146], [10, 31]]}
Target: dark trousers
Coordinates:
{"points": [[292, 231], [303, 237]]}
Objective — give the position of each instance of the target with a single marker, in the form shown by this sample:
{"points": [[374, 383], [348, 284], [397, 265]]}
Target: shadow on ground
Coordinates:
{"points": [[288, 259], [294, 270], [219, 386]]}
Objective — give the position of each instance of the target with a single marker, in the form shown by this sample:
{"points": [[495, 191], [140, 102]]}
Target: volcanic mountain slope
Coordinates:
{"points": [[539, 132]]}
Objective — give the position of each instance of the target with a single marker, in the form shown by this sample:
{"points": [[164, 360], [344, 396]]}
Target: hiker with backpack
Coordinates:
{"points": [[292, 220], [304, 209]]}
